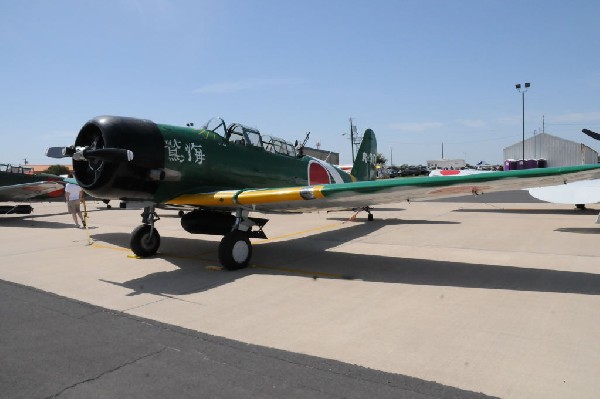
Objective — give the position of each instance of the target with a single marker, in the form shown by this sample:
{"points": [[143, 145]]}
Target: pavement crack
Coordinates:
{"points": [[129, 363]]}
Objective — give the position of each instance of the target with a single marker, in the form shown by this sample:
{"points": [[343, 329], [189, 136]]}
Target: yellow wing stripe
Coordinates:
{"points": [[229, 198], [220, 198]]}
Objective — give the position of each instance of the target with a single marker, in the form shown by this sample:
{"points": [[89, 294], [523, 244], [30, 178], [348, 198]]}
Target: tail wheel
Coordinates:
{"points": [[144, 241], [235, 250]]}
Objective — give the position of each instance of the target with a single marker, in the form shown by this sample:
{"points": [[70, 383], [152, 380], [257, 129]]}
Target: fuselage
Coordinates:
{"points": [[203, 158], [170, 161]]}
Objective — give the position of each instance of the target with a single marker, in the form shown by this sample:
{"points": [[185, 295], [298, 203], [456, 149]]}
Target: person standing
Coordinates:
{"points": [[74, 197]]}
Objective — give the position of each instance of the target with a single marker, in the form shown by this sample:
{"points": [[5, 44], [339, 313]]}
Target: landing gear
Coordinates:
{"points": [[367, 209], [145, 239], [235, 250]]}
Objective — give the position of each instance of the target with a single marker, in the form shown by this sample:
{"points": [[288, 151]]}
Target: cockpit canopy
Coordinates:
{"points": [[243, 135], [237, 133], [278, 146]]}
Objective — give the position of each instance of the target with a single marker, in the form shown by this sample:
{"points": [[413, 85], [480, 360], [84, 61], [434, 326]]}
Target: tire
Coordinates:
{"points": [[142, 242], [235, 250]]}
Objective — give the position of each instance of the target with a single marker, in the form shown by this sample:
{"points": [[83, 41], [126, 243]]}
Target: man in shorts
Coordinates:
{"points": [[74, 197]]}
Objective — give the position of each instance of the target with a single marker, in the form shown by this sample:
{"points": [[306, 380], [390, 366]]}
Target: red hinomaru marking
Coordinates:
{"points": [[449, 172], [317, 174]]}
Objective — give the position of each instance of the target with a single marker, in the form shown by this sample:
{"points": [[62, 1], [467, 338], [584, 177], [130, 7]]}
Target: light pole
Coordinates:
{"points": [[353, 136], [355, 139], [523, 91]]}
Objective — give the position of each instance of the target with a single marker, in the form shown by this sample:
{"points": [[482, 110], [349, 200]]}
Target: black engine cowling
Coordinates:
{"points": [[120, 180]]}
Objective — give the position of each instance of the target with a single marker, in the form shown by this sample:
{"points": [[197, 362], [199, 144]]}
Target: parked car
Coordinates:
{"points": [[412, 170]]}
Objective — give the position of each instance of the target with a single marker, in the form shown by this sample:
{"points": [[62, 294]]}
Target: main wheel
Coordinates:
{"points": [[144, 241], [235, 250]]}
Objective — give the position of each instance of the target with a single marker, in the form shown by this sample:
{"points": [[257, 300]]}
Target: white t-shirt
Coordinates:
{"points": [[73, 190]]}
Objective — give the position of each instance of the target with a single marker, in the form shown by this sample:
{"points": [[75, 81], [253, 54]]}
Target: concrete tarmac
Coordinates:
{"points": [[497, 298]]}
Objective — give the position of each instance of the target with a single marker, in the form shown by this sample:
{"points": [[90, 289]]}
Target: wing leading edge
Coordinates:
{"points": [[358, 194]]}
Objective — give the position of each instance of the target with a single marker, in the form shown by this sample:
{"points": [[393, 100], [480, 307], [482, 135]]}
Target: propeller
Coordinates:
{"points": [[114, 155]]}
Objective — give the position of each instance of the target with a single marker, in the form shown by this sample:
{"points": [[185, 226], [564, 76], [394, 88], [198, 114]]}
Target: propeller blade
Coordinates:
{"points": [[81, 154], [109, 154], [593, 135], [60, 152]]}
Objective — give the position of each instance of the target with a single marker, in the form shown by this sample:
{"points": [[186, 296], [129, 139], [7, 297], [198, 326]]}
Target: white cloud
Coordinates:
{"points": [[241, 85], [510, 120], [416, 126], [575, 117], [472, 123]]}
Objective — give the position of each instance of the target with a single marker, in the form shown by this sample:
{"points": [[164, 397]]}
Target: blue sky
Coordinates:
{"points": [[418, 73]]}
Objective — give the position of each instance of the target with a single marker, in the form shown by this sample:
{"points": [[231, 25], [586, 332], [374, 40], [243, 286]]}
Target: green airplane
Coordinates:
{"points": [[219, 174], [16, 185]]}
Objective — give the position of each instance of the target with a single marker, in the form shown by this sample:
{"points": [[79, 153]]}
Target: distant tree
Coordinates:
{"points": [[380, 159], [57, 170]]}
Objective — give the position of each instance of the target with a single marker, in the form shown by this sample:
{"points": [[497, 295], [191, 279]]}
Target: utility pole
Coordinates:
{"points": [[352, 138], [543, 124]]}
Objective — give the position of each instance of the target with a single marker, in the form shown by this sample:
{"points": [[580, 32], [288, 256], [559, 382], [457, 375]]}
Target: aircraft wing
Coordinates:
{"points": [[20, 192], [581, 192], [368, 193]]}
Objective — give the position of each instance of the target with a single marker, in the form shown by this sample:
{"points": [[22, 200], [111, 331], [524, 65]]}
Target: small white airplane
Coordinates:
{"points": [[577, 193]]}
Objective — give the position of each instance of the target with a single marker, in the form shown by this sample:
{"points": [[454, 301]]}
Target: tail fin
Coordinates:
{"points": [[364, 164]]}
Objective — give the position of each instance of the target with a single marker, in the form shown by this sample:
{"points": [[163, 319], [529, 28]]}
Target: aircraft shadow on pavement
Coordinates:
{"points": [[396, 221], [37, 220], [570, 212], [38, 224], [579, 230], [310, 257]]}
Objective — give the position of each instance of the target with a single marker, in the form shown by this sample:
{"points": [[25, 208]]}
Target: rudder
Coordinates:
{"points": [[364, 164]]}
